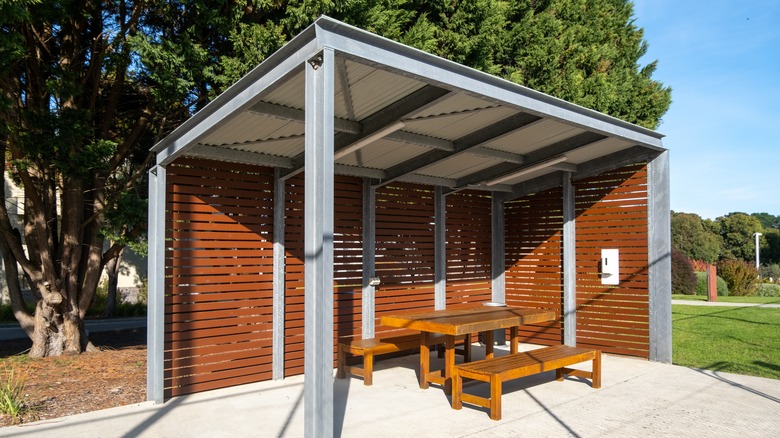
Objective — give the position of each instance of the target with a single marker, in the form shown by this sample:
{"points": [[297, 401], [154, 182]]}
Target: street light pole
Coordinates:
{"points": [[757, 261]]}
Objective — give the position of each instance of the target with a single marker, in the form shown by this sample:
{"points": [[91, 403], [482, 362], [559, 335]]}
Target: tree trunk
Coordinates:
{"points": [[112, 269]]}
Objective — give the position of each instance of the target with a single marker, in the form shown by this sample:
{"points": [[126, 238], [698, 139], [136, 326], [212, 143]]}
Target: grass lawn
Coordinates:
{"points": [[741, 340], [749, 300]]}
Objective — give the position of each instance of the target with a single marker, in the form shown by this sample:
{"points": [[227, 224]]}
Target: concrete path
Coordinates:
{"points": [[723, 304], [638, 398]]}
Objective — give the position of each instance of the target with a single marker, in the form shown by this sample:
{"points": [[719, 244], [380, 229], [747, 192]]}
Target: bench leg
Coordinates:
{"points": [[495, 397], [597, 370], [425, 360], [342, 358], [457, 390], [368, 368]]}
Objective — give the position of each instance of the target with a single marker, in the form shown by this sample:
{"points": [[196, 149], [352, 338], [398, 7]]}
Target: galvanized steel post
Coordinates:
{"points": [[569, 263], [659, 258], [369, 249], [155, 317], [279, 267], [318, 246]]}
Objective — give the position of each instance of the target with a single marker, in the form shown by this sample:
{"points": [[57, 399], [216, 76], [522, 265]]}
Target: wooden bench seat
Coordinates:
{"points": [[368, 348], [513, 366]]}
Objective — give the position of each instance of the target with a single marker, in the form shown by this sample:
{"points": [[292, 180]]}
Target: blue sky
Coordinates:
{"points": [[722, 60]]}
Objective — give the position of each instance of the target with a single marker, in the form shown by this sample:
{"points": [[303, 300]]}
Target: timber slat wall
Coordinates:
{"points": [[293, 271], [534, 254], [219, 275], [219, 264], [404, 248], [469, 248], [612, 213], [347, 266]]}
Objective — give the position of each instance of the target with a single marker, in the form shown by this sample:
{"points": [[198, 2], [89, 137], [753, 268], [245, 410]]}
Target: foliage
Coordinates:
{"points": [[699, 266], [768, 290], [736, 232], [12, 391], [701, 285], [771, 273], [584, 52], [767, 220], [770, 253], [740, 276], [692, 238], [739, 340], [683, 277]]}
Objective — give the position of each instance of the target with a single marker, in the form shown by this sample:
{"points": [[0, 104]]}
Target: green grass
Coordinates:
{"points": [[741, 340], [748, 300]]}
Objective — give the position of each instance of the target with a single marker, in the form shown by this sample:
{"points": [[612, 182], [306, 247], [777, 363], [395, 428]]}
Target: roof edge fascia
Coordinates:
{"points": [[375, 49], [240, 95]]}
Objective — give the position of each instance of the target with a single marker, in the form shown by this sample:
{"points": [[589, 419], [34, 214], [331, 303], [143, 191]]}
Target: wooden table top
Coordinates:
{"points": [[467, 320]]}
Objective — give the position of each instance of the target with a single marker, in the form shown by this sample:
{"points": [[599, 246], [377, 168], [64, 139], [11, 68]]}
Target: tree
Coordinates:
{"points": [[683, 277], [693, 238], [77, 117], [767, 220], [583, 51], [736, 232], [89, 85]]}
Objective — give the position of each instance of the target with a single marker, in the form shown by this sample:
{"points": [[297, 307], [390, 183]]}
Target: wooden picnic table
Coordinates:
{"points": [[461, 321]]}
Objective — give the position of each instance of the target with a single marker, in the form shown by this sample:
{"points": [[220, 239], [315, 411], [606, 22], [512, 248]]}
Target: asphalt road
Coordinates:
{"points": [[13, 331]]}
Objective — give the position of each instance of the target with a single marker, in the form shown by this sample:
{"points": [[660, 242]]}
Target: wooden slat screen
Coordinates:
{"points": [[348, 258], [294, 282], [219, 275], [612, 213], [469, 248], [404, 248], [347, 265], [534, 251]]}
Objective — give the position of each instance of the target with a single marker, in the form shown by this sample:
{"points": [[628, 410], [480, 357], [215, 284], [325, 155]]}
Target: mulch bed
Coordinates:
{"points": [[67, 385]]}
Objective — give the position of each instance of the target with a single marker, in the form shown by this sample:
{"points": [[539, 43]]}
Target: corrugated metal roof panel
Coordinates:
{"points": [[456, 125], [383, 154], [281, 148], [534, 136], [290, 92], [598, 149], [247, 126], [458, 166], [456, 102], [379, 89]]}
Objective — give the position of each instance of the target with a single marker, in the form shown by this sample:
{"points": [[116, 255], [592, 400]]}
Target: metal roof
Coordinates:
{"points": [[405, 115]]}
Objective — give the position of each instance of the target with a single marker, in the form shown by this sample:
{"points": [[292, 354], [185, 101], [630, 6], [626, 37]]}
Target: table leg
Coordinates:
{"points": [[425, 360], [488, 335], [514, 339], [449, 362]]}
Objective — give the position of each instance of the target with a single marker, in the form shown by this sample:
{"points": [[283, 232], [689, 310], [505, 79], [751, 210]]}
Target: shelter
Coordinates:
{"points": [[345, 157]]}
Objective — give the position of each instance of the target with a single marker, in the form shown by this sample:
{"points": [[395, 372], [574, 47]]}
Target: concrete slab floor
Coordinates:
{"points": [[638, 398]]}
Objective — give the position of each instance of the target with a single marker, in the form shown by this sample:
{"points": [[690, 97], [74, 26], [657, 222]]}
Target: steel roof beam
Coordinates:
{"points": [[297, 115], [238, 156], [532, 158], [462, 145], [398, 110]]}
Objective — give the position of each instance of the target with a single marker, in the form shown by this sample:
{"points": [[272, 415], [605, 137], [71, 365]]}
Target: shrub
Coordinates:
{"points": [[12, 392], [683, 277], [740, 276], [768, 290], [771, 272], [699, 266], [701, 285]]}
